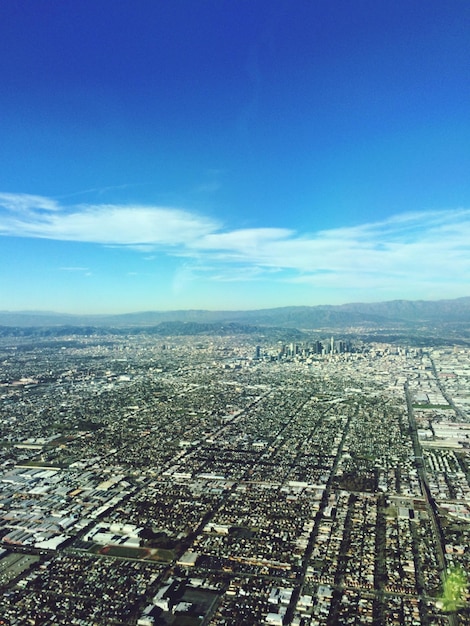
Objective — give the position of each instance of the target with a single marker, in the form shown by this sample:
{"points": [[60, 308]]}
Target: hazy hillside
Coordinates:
{"points": [[163, 329], [396, 313]]}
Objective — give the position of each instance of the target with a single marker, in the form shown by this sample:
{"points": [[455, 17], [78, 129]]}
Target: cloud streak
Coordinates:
{"points": [[428, 247], [33, 216]]}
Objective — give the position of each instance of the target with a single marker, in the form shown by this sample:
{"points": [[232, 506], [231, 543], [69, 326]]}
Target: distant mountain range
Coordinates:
{"points": [[379, 315]]}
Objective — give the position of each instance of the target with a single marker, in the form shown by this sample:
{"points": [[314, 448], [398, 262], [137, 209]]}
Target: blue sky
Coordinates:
{"points": [[233, 155]]}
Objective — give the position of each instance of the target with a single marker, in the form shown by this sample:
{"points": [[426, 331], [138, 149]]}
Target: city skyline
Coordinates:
{"points": [[218, 156]]}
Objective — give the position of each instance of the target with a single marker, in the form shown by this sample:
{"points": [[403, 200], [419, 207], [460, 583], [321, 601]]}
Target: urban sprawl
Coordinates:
{"points": [[212, 481]]}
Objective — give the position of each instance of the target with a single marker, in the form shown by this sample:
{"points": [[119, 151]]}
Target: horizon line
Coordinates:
{"points": [[214, 310]]}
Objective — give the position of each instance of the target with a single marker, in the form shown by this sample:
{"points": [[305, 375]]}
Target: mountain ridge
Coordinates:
{"points": [[397, 312]]}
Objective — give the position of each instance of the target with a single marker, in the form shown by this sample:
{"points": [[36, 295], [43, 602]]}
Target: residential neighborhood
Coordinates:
{"points": [[212, 481]]}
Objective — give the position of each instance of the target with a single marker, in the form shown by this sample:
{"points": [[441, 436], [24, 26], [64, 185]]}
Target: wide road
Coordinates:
{"points": [[431, 503], [442, 389]]}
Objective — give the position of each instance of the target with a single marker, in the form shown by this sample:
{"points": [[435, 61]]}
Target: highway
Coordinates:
{"points": [[430, 502]]}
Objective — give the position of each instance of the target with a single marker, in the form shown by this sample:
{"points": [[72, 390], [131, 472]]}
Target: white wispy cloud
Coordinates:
{"points": [[34, 216], [425, 247], [24, 203]]}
